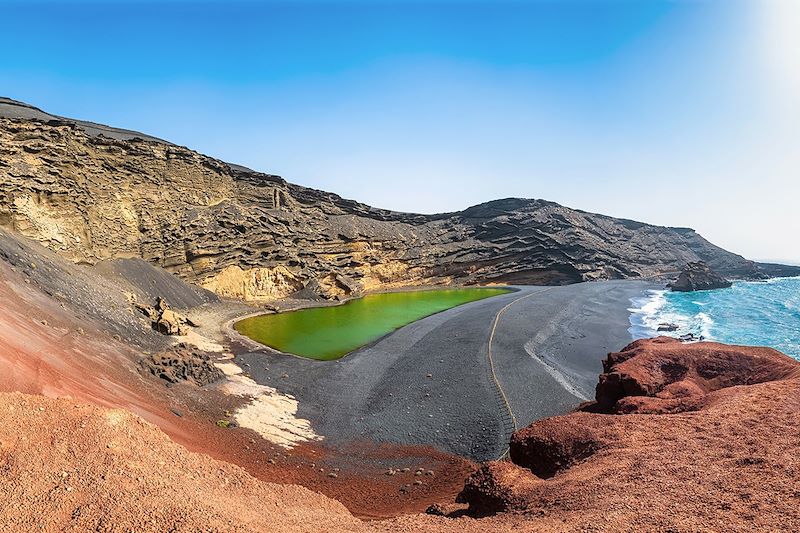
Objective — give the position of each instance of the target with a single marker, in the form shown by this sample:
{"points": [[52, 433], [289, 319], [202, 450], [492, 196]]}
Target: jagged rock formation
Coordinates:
{"points": [[699, 277], [239, 233], [164, 319], [182, 364]]}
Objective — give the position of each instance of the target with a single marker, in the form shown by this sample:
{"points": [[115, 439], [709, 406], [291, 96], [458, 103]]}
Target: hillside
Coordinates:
{"points": [[90, 193], [108, 470]]}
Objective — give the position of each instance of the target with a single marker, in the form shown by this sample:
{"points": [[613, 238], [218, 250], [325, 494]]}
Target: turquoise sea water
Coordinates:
{"points": [[749, 313]]}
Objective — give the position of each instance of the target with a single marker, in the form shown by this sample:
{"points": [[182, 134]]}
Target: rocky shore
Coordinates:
{"points": [[699, 277]]}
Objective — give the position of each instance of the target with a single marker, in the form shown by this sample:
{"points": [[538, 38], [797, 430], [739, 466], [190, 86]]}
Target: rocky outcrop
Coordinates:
{"points": [[94, 194], [663, 375], [497, 487], [182, 364], [728, 449], [164, 319], [698, 276]]}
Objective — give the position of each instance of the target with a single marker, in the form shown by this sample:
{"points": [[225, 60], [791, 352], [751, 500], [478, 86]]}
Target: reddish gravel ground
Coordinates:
{"points": [[45, 349], [66, 466]]}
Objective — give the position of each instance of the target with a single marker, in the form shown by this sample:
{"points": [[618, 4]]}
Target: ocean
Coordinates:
{"points": [[765, 313]]}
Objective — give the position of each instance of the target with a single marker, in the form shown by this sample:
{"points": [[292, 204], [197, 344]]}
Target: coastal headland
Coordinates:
{"points": [[125, 260]]}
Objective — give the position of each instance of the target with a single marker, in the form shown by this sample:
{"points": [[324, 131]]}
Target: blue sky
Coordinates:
{"points": [[681, 113]]}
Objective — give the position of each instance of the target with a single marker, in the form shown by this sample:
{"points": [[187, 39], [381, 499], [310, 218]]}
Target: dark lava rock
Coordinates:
{"points": [[699, 277], [436, 509], [667, 327], [182, 364]]}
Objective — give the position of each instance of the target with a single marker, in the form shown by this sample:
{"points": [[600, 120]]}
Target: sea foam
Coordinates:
{"points": [[749, 313]]}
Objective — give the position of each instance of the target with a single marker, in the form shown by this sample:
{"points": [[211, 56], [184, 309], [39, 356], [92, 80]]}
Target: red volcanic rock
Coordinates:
{"points": [[694, 437], [552, 445], [662, 375], [497, 486]]}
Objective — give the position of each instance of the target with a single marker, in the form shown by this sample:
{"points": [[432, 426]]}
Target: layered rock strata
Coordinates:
{"points": [[253, 236]]}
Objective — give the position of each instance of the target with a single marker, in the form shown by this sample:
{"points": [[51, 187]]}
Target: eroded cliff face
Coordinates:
{"points": [[256, 237]]}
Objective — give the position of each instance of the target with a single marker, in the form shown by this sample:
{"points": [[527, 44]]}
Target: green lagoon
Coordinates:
{"points": [[326, 333]]}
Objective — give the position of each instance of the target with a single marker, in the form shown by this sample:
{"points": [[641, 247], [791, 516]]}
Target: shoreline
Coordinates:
{"points": [[244, 339], [408, 387]]}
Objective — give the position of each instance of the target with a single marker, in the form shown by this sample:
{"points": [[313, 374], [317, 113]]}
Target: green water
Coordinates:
{"points": [[326, 333]]}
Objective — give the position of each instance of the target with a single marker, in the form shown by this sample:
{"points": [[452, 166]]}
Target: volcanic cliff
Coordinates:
{"points": [[91, 192]]}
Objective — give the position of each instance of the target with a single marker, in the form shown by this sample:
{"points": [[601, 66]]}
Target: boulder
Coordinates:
{"points": [[164, 319], [549, 448], [497, 486], [699, 277]]}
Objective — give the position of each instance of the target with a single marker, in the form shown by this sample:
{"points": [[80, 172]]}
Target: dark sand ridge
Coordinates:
{"points": [[430, 382]]}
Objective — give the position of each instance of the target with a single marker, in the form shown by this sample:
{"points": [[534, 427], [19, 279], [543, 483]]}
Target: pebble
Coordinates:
{"points": [[333, 475]]}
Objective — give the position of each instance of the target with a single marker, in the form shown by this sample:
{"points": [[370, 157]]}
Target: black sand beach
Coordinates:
{"points": [[431, 383]]}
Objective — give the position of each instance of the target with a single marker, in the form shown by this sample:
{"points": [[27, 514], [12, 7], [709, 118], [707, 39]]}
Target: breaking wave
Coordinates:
{"points": [[749, 313]]}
